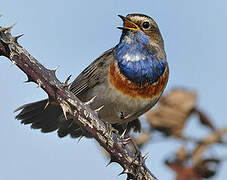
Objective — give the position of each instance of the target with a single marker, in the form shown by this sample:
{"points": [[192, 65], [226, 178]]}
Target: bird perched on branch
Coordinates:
{"points": [[127, 81]]}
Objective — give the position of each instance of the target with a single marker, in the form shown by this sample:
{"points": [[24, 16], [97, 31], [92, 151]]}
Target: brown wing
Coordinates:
{"points": [[49, 119], [93, 74]]}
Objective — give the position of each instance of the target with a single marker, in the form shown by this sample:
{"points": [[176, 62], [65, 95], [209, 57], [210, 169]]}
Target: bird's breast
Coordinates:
{"points": [[135, 90]]}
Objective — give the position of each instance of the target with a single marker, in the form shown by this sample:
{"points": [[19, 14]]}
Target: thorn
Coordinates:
{"points": [[126, 141], [90, 101], [29, 80], [125, 171], [17, 37], [80, 138], [109, 163], [66, 84], [8, 29], [66, 108], [98, 109], [112, 159], [145, 156], [13, 63], [121, 173], [55, 69], [48, 102], [123, 134], [64, 112], [39, 83]]}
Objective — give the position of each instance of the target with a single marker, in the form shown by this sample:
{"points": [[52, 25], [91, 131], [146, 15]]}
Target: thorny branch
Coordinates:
{"points": [[122, 151]]}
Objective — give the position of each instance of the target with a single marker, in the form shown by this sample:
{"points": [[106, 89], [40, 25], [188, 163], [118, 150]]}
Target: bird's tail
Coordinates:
{"points": [[48, 117]]}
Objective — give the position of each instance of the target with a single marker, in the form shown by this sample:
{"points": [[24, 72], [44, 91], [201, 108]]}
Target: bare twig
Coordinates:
{"points": [[214, 137]]}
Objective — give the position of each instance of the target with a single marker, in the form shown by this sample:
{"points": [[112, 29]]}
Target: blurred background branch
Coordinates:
{"points": [[170, 118]]}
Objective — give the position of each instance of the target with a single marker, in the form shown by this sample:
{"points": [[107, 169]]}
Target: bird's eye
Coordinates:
{"points": [[146, 25]]}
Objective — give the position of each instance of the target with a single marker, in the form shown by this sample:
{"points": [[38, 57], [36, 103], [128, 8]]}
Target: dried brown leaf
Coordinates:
{"points": [[172, 112]]}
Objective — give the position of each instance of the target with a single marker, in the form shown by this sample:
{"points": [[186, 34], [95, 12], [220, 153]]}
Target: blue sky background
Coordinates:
{"points": [[72, 34]]}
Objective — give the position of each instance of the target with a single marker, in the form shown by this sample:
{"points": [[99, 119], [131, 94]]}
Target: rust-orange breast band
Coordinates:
{"points": [[121, 83]]}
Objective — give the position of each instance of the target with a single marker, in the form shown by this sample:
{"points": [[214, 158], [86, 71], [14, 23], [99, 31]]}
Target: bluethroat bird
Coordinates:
{"points": [[127, 80]]}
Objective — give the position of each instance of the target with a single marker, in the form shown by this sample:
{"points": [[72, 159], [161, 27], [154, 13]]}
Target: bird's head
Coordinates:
{"points": [[142, 23], [140, 52]]}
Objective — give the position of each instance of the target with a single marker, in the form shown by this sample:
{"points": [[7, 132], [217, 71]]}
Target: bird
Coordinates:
{"points": [[127, 80]]}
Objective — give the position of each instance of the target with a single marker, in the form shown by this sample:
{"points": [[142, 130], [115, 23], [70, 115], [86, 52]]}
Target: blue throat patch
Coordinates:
{"points": [[136, 60]]}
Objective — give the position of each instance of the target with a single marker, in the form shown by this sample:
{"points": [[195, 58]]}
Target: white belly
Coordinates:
{"points": [[118, 107]]}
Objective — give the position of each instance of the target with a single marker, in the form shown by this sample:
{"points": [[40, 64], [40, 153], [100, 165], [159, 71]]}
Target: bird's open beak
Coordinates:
{"points": [[128, 25]]}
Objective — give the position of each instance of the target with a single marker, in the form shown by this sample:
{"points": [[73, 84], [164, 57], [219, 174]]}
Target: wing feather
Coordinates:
{"points": [[93, 73]]}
